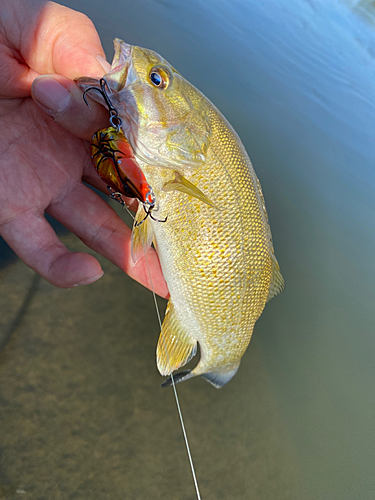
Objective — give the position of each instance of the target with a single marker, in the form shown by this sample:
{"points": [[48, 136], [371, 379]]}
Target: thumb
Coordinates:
{"points": [[63, 41], [62, 99]]}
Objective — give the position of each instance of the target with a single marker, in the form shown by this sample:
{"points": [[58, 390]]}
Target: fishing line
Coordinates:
{"points": [[116, 122], [192, 468]]}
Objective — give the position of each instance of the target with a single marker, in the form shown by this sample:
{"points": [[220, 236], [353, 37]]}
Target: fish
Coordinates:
{"points": [[212, 232]]}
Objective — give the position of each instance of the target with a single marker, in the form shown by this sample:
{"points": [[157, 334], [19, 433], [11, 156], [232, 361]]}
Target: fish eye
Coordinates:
{"points": [[160, 76], [156, 79]]}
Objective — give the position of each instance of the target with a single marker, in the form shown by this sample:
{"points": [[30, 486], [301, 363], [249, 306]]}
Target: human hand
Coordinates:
{"points": [[44, 153]]}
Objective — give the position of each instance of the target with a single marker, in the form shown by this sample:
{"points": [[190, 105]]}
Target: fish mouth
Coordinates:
{"points": [[121, 69], [120, 75]]}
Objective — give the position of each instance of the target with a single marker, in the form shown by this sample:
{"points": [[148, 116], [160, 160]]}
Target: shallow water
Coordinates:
{"points": [[82, 413]]}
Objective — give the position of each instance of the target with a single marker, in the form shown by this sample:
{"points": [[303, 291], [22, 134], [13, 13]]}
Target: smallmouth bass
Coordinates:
{"points": [[215, 246]]}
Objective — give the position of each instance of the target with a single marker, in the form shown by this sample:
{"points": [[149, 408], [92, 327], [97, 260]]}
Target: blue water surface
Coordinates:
{"points": [[296, 80]]}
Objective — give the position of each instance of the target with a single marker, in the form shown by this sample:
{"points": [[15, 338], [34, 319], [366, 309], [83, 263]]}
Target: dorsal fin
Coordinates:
{"points": [[175, 346], [277, 281]]}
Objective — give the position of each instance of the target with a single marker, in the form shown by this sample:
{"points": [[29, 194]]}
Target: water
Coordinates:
{"points": [[83, 416]]}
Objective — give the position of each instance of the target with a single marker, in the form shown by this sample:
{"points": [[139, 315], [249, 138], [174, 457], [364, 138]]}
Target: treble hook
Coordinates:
{"points": [[114, 118], [148, 206], [148, 214]]}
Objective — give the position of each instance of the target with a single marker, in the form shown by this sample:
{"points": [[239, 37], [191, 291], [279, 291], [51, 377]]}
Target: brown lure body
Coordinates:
{"points": [[116, 165]]}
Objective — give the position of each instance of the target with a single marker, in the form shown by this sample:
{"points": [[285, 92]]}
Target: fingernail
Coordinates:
{"points": [[87, 281], [51, 94], [103, 63]]}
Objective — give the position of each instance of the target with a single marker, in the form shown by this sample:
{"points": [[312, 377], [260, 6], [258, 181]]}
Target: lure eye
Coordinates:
{"points": [[150, 197], [161, 77]]}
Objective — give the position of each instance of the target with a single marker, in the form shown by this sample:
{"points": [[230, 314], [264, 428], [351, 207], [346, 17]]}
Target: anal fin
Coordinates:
{"points": [[175, 347]]}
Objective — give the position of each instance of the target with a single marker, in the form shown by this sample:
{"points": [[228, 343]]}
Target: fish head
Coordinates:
{"points": [[164, 116]]}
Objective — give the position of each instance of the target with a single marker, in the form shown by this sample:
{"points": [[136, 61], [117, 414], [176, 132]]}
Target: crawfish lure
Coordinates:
{"points": [[114, 160], [115, 163]]}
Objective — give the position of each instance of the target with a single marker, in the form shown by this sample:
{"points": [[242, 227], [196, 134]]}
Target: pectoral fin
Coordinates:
{"points": [[142, 234], [181, 184], [175, 346]]}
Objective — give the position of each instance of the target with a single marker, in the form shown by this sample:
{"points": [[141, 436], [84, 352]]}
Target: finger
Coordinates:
{"points": [[45, 37], [92, 178], [63, 100], [100, 228], [36, 243], [62, 41]]}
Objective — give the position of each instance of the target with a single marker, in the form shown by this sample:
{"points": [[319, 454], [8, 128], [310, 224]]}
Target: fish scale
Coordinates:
{"points": [[215, 248]]}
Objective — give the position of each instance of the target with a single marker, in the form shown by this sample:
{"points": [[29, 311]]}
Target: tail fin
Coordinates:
{"points": [[217, 378], [220, 377]]}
